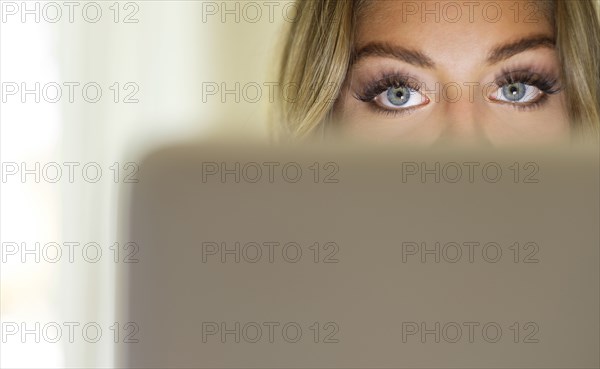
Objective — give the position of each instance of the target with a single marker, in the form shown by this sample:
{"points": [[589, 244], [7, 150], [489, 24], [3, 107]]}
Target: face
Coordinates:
{"points": [[486, 72]]}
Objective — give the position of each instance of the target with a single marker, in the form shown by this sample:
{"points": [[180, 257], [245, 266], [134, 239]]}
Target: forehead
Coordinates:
{"points": [[445, 29]]}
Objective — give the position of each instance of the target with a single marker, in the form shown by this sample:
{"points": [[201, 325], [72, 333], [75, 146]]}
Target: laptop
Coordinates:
{"points": [[355, 256]]}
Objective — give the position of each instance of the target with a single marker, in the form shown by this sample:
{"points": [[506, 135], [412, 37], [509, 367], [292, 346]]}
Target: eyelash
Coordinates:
{"points": [[373, 89], [544, 82]]}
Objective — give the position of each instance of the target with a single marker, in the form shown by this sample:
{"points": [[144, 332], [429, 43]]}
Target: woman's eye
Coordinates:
{"points": [[518, 93], [400, 97]]}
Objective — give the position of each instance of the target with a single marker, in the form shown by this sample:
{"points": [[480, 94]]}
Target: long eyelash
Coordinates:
{"points": [[382, 84], [385, 82], [544, 82]]}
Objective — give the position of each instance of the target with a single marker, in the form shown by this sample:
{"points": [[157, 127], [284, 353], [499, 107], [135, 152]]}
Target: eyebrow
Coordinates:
{"points": [[505, 51], [410, 56], [420, 59]]}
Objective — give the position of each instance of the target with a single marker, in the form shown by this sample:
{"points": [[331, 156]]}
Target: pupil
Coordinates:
{"points": [[398, 95], [514, 91]]}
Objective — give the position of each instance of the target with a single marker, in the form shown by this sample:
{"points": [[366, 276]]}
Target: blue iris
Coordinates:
{"points": [[398, 95]]}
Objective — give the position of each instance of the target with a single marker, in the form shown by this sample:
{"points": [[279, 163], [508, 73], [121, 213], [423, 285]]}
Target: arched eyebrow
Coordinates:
{"points": [[420, 59], [386, 50], [505, 51]]}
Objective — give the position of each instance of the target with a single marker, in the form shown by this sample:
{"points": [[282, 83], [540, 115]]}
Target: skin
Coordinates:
{"points": [[460, 53]]}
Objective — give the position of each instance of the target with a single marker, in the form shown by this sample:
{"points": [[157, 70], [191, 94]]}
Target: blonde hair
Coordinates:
{"points": [[318, 49], [578, 42]]}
